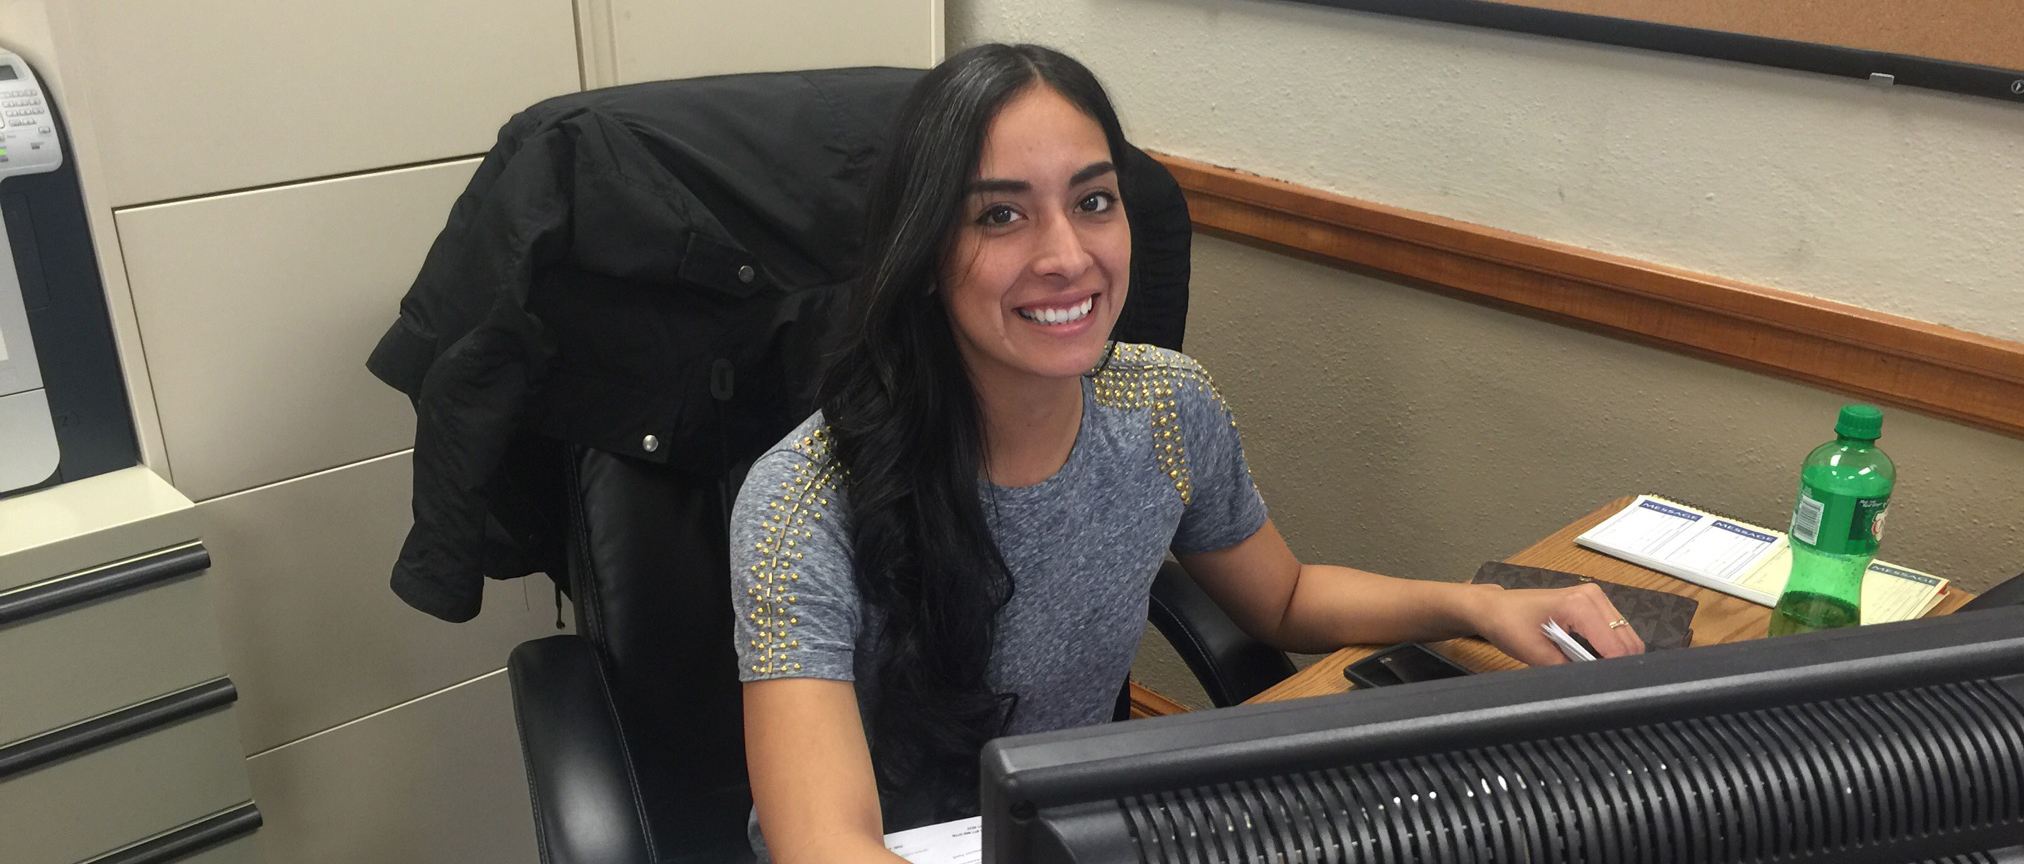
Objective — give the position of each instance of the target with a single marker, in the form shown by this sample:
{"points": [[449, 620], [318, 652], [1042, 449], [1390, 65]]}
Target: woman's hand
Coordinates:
{"points": [[1511, 620]]}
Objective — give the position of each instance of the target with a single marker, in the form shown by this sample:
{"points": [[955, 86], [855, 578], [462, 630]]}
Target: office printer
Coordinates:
{"points": [[63, 405]]}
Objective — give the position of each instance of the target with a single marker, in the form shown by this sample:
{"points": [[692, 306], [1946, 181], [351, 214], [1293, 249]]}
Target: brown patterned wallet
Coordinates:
{"points": [[1662, 620]]}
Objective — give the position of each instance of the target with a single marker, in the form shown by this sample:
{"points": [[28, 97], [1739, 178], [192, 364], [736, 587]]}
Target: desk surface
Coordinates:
{"points": [[1721, 618]]}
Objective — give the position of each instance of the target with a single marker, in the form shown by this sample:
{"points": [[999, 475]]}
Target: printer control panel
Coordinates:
{"points": [[28, 142]]}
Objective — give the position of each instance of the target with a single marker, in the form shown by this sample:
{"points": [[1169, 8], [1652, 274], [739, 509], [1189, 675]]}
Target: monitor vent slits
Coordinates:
{"points": [[1752, 786]]}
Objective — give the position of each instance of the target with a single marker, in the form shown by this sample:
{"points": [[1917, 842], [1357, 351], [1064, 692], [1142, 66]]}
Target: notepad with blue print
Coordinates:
{"points": [[1743, 560]]}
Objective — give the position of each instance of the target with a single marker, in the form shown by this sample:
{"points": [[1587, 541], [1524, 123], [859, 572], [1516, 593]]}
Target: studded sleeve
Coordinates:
{"points": [[1223, 507], [791, 583]]}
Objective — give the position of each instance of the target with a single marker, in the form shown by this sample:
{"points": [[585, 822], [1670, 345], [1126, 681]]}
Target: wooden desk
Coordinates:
{"points": [[1721, 618]]}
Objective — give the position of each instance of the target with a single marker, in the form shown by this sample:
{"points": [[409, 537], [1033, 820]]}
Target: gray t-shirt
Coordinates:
{"points": [[1156, 465]]}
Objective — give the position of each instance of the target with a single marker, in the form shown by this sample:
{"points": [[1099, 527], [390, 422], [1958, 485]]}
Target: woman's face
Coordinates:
{"points": [[1041, 254]]}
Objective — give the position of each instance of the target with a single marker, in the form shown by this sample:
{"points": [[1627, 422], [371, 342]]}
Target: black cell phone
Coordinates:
{"points": [[1404, 663]]}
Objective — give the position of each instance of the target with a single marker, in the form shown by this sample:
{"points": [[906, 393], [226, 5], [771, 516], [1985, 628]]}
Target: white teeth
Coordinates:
{"points": [[1059, 316]]}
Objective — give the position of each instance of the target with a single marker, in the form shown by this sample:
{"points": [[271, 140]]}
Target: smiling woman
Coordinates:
{"points": [[1037, 272], [961, 544]]}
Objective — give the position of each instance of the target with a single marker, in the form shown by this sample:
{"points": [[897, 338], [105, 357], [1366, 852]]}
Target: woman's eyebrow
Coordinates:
{"points": [[1095, 170], [990, 184], [1001, 186]]}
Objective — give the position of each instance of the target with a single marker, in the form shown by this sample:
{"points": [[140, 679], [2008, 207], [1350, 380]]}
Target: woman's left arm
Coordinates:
{"points": [[1314, 608]]}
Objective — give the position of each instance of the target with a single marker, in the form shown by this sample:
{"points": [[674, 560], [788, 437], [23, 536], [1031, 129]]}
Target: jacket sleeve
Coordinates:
{"points": [[466, 351], [434, 302], [580, 190]]}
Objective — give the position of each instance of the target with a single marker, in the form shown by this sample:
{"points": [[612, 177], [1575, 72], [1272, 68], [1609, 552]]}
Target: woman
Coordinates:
{"points": [[960, 545]]}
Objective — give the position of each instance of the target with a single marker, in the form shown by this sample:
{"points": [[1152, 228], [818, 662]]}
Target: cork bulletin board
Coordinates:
{"points": [[1966, 46]]}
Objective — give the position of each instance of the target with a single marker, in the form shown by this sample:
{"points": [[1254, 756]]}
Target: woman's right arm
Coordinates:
{"points": [[811, 773], [796, 610]]}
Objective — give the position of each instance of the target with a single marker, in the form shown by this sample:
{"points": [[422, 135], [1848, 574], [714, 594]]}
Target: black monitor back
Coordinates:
{"points": [[1894, 743]]}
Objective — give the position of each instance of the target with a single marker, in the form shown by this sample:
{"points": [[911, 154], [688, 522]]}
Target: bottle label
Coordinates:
{"points": [[1806, 518], [1867, 526], [1838, 524]]}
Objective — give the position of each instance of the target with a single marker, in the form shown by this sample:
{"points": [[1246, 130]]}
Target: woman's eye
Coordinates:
{"points": [[1098, 202], [998, 215]]}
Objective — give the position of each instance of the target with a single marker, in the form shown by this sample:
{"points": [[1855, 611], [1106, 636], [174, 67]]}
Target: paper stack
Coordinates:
{"points": [[1570, 646], [957, 842]]}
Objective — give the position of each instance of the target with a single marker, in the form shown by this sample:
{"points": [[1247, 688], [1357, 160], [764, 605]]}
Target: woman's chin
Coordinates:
{"points": [[1047, 355], [1061, 364], [1081, 362]]}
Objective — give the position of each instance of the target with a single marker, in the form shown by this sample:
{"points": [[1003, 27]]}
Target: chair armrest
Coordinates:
{"points": [[2009, 592], [586, 802], [1231, 665]]}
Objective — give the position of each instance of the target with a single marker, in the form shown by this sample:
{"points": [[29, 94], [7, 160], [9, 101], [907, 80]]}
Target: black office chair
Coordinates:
{"points": [[632, 728]]}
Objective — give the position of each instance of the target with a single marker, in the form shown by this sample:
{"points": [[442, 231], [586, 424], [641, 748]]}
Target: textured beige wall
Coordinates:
{"points": [[1897, 199], [1420, 435]]}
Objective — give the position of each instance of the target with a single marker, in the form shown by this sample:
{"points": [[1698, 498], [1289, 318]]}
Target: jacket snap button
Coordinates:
{"points": [[745, 273], [650, 443]]}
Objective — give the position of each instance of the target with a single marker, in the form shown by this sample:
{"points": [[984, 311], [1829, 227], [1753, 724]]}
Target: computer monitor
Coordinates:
{"points": [[1891, 743]]}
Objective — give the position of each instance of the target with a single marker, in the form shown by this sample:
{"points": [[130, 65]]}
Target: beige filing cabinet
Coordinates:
{"points": [[118, 744], [252, 256]]}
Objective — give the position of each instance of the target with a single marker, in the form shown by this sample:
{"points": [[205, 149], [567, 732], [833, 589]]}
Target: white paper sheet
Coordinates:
{"points": [[958, 842], [1568, 646]]}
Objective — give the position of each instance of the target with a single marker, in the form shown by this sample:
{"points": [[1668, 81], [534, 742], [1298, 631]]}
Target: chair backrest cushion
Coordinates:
{"points": [[649, 566]]}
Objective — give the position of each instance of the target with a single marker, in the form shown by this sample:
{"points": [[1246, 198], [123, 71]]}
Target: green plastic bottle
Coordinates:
{"points": [[1844, 490]]}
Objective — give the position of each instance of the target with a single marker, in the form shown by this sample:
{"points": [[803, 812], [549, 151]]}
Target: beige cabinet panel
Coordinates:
{"points": [[106, 655], [257, 311], [654, 39], [83, 524], [432, 781], [313, 636], [203, 96], [108, 798]]}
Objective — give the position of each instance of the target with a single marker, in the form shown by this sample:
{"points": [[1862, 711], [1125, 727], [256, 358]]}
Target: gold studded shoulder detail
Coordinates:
{"points": [[1152, 379], [790, 521]]}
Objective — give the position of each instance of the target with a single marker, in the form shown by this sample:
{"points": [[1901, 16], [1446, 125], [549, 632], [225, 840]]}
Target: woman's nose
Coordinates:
{"points": [[1060, 249]]}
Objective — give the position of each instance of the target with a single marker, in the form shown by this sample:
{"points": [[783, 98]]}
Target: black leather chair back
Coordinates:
{"points": [[649, 567]]}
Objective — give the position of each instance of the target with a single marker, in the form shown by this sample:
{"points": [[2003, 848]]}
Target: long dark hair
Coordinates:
{"points": [[903, 418]]}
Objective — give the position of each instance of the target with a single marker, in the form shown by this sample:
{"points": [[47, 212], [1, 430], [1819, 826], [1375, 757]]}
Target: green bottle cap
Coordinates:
{"points": [[1860, 421]]}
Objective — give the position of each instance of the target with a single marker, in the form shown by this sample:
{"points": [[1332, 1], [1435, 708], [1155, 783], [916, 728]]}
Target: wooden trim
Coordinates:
{"points": [[1976, 71], [1146, 702], [1961, 376]]}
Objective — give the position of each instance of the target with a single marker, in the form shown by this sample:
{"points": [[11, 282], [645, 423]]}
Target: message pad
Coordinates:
{"points": [[1744, 560]]}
